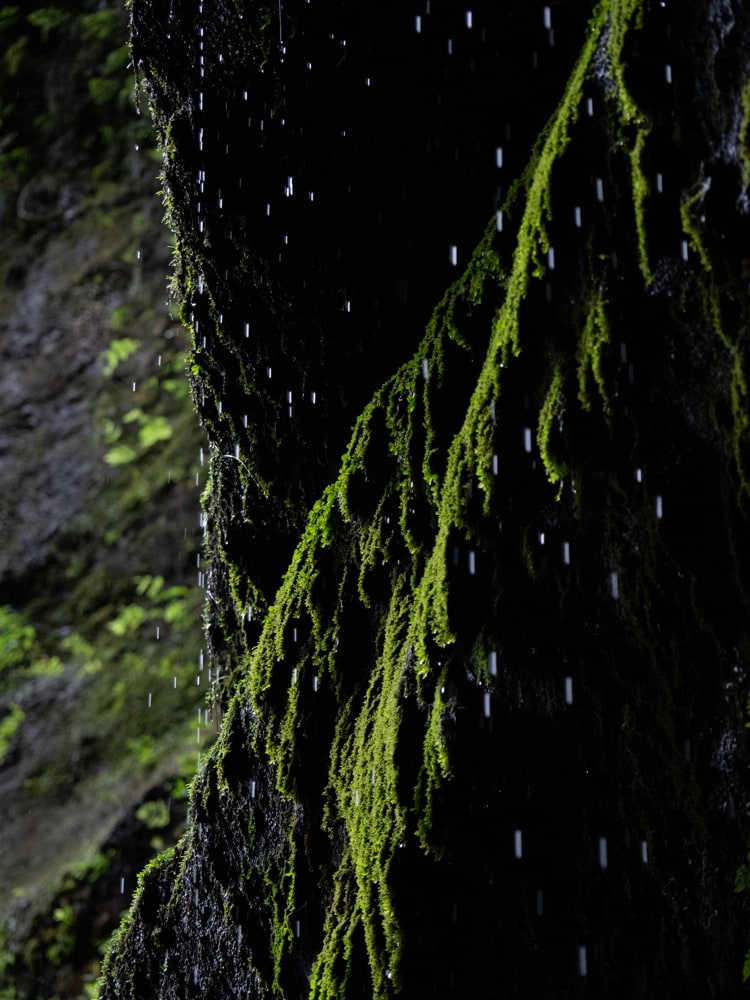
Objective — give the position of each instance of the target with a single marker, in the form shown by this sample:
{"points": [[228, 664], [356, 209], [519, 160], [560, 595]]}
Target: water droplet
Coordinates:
{"points": [[568, 690], [582, 961], [487, 705], [518, 844], [602, 852], [454, 255], [659, 508], [492, 663]]}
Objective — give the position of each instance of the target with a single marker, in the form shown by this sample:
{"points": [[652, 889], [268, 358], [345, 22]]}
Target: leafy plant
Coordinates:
{"points": [[9, 726], [120, 349]]}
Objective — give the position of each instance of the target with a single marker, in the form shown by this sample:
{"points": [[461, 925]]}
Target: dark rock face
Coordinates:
{"points": [[488, 736]]}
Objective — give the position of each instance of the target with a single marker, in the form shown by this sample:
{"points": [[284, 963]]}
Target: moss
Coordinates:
{"points": [[592, 346], [744, 134], [634, 127], [690, 214]]}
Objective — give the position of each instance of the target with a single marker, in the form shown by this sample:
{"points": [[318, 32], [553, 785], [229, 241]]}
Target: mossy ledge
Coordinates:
{"points": [[490, 729]]}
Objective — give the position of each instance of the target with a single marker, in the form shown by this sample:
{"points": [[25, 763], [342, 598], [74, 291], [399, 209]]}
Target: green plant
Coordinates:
{"points": [[9, 726], [120, 349], [47, 19]]}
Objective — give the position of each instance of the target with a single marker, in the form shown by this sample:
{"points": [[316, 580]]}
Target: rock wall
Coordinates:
{"points": [[486, 737]]}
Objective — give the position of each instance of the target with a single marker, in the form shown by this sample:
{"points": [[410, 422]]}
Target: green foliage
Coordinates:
{"points": [[47, 19], [155, 814], [9, 726], [121, 348], [21, 654], [17, 639]]}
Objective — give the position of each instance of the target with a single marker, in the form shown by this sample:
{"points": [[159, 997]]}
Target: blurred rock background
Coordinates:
{"points": [[102, 698]]}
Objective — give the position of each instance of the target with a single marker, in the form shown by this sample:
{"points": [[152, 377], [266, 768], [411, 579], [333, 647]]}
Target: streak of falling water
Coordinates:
{"points": [[602, 852], [568, 690], [582, 961]]}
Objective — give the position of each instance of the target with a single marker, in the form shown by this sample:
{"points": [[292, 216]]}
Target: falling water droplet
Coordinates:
{"points": [[568, 690], [582, 961], [518, 844], [602, 852]]}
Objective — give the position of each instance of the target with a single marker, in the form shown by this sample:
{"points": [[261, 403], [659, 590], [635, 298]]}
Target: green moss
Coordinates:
{"points": [[592, 345], [551, 410], [624, 17], [744, 136], [690, 214]]}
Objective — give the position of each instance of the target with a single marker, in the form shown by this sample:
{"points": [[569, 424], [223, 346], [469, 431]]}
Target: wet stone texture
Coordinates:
{"points": [[486, 672]]}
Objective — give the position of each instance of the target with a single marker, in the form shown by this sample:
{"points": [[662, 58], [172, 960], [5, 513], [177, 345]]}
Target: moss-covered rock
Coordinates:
{"points": [[487, 735]]}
